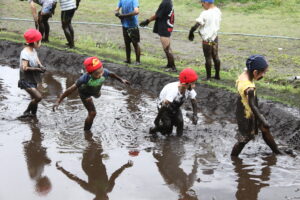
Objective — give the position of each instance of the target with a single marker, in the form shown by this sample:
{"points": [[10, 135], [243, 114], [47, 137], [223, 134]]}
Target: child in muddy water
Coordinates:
{"points": [[249, 118], [30, 70], [172, 96], [88, 85]]}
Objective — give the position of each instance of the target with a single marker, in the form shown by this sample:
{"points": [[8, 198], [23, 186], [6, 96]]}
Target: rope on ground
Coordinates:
{"points": [[178, 31]]}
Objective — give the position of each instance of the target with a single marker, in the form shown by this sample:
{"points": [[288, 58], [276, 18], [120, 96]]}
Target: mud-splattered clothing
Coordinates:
{"points": [[88, 86], [247, 123], [164, 22], [47, 5], [29, 79]]}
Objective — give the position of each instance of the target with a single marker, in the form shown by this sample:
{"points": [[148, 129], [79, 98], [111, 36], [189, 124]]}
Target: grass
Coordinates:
{"points": [[265, 17]]}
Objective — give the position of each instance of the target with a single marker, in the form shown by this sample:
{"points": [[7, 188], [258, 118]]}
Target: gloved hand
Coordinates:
{"points": [[195, 119], [144, 23], [191, 34]]}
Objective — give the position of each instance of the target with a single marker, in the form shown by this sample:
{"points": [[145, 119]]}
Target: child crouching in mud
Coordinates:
{"points": [[172, 96], [249, 118], [88, 85], [30, 70]]}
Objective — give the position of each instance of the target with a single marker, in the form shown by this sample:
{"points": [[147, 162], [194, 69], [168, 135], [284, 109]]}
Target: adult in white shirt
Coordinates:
{"points": [[209, 23], [68, 8], [172, 96]]}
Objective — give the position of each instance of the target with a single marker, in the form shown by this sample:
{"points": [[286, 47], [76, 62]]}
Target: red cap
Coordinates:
{"points": [[92, 64], [134, 153], [188, 75], [32, 35]]}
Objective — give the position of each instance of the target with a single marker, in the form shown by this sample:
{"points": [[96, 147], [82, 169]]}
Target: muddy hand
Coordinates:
{"points": [[144, 23], [129, 164], [57, 165], [125, 82], [55, 106], [191, 34]]}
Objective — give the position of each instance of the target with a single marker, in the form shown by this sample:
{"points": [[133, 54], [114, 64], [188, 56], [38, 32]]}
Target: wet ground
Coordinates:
{"points": [[51, 158]]}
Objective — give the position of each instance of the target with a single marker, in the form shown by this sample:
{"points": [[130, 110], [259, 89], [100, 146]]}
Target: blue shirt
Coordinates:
{"points": [[88, 86], [128, 6]]}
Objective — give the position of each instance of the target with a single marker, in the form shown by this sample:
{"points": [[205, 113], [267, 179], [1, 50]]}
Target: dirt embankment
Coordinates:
{"points": [[216, 104]]}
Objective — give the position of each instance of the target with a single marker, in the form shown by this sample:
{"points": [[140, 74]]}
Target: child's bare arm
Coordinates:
{"points": [[69, 91], [255, 110], [115, 76]]}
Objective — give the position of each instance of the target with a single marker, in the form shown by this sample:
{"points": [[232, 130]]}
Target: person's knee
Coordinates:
{"points": [[92, 114], [38, 98]]}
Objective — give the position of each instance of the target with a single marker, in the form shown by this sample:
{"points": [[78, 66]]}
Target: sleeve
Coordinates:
{"points": [[106, 73], [201, 19], [120, 4], [24, 56], [160, 11], [170, 97], [82, 80], [135, 3], [193, 94]]}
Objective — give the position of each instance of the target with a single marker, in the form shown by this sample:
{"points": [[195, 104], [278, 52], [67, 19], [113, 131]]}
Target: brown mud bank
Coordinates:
{"points": [[214, 103]]}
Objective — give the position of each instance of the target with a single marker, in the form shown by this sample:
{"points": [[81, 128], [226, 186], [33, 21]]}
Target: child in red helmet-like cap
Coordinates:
{"points": [[88, 85], [172, 96], [30, 70]]}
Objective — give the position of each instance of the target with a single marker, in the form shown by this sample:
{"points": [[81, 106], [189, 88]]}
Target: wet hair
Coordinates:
{"points": [[256, 62]]}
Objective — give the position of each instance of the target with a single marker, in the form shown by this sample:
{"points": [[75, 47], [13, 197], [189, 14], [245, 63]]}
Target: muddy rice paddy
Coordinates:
{"points": [[51, 158]]}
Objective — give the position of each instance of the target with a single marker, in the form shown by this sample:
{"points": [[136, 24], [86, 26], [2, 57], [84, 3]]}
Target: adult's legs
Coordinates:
{"points": [[207, 50], [217, 62], [268, 138], [166, 43], [89, 105], [44, 27], [36, 97], [66, 21], [127, 42]]}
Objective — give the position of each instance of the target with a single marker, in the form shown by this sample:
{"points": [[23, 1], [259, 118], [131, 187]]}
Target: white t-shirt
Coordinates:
{"points": [[67, 4], [210, 23], [171, 93]]}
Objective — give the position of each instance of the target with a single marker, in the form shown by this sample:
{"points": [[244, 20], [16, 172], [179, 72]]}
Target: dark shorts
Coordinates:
{"points": [[164, 33], [131, 34], [67, 15], [25, 84], [84, 96]]}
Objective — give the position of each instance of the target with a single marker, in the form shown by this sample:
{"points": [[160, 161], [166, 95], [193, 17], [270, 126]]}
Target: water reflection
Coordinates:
{"points": [[250, 184], [92, 164], [169, 155], [36, 158]]}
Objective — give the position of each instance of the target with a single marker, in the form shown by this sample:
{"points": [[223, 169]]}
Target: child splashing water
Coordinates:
{"points": [[88, 85]]}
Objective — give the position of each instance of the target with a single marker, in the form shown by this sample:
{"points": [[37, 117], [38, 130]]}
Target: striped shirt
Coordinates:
{"points": [[67, 4]]}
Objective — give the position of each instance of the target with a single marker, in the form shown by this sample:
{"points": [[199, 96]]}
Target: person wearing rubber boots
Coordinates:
{"points": [[172, 96], [209, 23], [30, 70], [248, 116], [164, 22], [88, 86], [41, 18], [130, 27]]}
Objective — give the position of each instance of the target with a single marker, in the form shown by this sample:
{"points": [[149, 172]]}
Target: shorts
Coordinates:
{"points": [[247, 130], [67, 15], [25, 84], [84, 96], [48, 7], [131, 34]]}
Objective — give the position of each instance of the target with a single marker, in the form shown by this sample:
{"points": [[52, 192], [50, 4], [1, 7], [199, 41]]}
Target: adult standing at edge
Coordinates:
{"points": [[209, 23], [131, 33], [164, 22], [41, 18], [68, 8]]}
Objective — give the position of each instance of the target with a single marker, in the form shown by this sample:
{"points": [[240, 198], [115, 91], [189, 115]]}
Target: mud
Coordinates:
{"points": [[50, 158]]}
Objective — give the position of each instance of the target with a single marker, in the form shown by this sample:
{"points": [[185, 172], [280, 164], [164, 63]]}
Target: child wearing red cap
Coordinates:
{"points": [[88, 85], [30, 70], [248, 116], [172, 96]]}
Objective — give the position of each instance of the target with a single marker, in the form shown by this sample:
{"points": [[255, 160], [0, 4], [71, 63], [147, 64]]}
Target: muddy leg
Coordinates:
{"points": [[89, 105], [166, 43], [179, 123], [137, 50], [44, 27], [216, 60], [36, 98], [127, 42], [207, 50], [237, 148], [163, 124], [268, 138]]}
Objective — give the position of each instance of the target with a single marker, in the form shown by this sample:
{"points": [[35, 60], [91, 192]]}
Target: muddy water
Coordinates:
{"points": [[50, 158]]}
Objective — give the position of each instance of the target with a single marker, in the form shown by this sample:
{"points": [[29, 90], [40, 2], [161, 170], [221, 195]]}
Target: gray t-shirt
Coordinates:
{"points": [[32, 58]]}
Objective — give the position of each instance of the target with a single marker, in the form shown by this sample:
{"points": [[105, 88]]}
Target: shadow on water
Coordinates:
{"points": [[193, 167]]}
